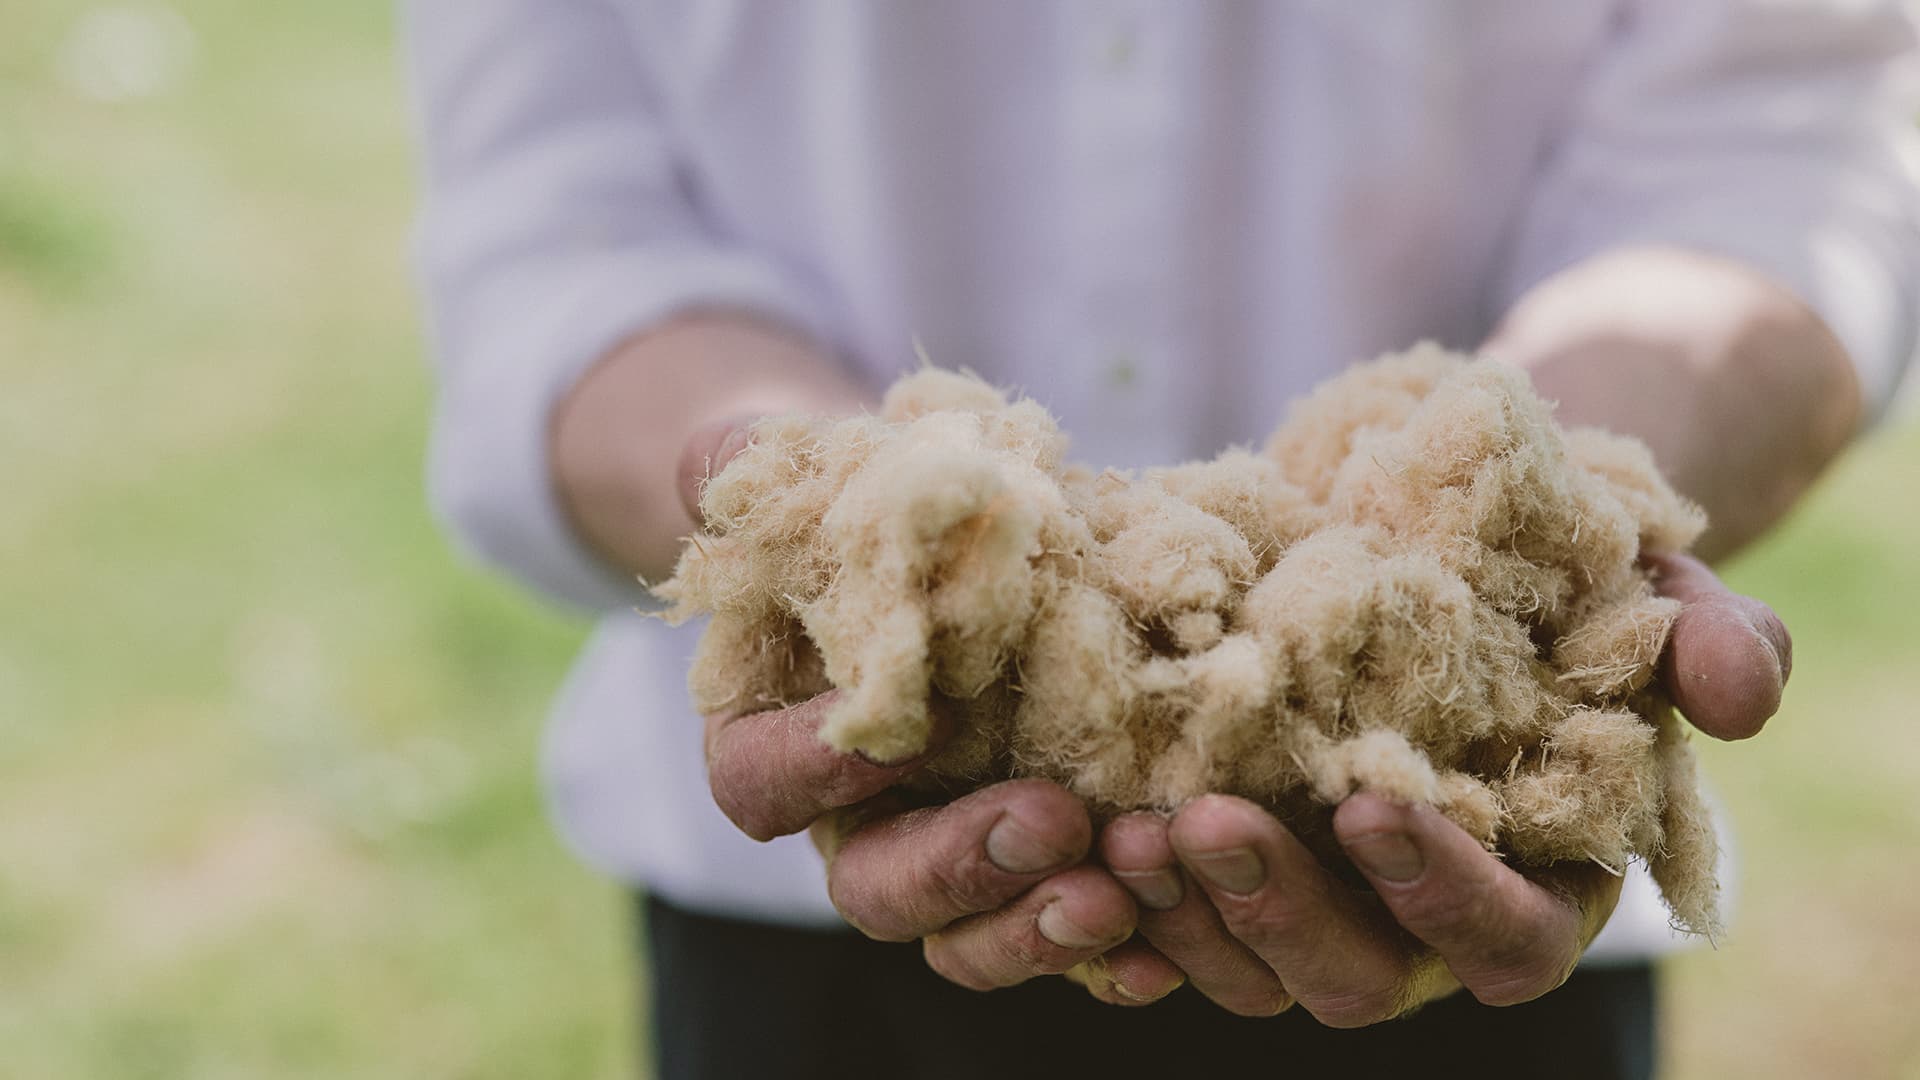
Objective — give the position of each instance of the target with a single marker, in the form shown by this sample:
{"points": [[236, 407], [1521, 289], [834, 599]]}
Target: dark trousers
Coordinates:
{"points": [[738, 1000]]}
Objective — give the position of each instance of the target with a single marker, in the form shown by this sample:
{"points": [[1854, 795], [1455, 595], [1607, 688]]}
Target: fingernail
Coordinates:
{"points": [[1015, 849], [1388, 855], [1778, 643], [1057, 927], [1158, 889], [1145, 997], [1237, 870], [730, 446]]}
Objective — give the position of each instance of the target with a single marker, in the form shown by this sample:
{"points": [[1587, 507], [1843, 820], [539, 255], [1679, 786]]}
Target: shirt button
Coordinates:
{"points": [[1121, 48]]}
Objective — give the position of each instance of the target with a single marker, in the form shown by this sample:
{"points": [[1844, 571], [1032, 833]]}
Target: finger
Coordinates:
{"points": [[772, 775], [1132, 973], [1065, 920], [1728, 657], [1136, 851], [1181, 922], [1505, 938], [705, 453], [906, 876], [1342, 960]]}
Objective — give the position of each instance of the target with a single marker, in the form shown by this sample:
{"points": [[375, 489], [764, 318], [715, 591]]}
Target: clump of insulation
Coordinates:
{"points": [[1421, 587]]}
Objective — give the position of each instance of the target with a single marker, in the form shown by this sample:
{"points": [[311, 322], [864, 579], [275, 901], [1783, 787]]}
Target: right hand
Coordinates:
{"points": [[994, 884]]}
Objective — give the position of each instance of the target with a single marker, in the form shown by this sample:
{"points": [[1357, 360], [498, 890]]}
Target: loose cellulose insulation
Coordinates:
{"points": [[1420, 587]]}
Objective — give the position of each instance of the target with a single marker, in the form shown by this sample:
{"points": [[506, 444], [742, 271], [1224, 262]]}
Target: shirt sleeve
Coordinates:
{"points": [[556, 222], [1777, 133]]}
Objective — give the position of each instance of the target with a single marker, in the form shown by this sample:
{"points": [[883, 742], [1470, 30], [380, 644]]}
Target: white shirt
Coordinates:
{"points": [[1163, 220]]}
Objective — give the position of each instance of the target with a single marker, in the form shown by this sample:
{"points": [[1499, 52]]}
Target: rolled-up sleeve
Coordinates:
{"points": [[1776, 132], [557, 221]]}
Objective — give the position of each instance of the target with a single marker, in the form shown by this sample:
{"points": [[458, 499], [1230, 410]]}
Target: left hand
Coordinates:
{"points": [[1232, 902]]}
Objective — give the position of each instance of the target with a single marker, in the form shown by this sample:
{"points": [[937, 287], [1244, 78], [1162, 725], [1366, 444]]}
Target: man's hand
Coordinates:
{"points": [[1232, 900], [1256, 923], [1744, 394], [995, 884]]}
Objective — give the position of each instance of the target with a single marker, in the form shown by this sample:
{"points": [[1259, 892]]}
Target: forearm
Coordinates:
{"points": [[1740, 389], [618, 437]]}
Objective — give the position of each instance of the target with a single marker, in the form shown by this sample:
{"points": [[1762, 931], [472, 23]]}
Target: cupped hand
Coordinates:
{"points": [[1233, 902], [1249, 915], [995, 884]]}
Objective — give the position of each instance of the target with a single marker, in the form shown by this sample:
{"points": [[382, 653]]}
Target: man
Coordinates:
{"points": [[649, 222]]}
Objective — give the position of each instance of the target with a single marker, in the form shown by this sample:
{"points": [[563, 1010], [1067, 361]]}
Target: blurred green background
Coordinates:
{"points": [[267, 793]]}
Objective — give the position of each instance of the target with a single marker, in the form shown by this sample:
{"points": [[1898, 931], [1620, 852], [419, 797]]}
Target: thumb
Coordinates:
{"points": [[705, 453], [1728, 656]]}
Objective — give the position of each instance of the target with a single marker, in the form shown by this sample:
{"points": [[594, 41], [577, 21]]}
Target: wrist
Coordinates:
{"points": [[1740, 389], [621, 437]]}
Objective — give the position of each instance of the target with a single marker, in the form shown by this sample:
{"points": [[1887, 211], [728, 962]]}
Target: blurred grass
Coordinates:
{"points": [[267, 794], [1819, 975], [267, 790]]}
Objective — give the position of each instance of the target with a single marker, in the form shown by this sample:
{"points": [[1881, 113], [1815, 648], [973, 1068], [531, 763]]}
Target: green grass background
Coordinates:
{"points": [[267, 793]]}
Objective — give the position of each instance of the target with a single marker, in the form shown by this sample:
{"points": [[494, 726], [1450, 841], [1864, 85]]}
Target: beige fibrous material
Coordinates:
{"points": [[1420, 587]]}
